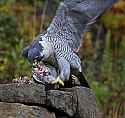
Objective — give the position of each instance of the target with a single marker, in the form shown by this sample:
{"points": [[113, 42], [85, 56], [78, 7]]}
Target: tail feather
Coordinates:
{"points": [[82, 79]]}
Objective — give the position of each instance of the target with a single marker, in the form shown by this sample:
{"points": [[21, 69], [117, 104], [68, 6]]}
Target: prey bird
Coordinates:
{"points": [[58, 45]]}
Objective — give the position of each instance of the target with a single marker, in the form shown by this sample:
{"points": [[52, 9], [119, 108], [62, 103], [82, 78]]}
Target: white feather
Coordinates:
{"points": [[48, 50]]}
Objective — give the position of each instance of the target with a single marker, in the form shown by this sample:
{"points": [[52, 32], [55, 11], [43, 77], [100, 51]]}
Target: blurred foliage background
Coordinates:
{"points": [[103, 49]]}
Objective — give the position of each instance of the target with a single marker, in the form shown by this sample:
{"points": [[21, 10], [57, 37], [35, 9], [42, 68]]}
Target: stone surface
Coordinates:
{"points": [[86, 103], [16, 110], [23, 93], [76, 102], [63, 101]]}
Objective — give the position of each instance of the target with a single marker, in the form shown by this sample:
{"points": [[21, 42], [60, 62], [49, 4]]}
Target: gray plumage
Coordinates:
{"points": [[62, 38]]}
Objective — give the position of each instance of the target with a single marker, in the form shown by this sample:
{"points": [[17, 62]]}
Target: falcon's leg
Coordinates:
{"points": [[64, 68]]}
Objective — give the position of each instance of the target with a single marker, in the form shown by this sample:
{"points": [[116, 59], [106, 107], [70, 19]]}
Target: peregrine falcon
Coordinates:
{"points": [[58, 45]]}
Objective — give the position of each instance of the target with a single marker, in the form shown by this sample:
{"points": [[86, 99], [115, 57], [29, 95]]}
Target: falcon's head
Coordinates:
{"points": [[39, 50]]}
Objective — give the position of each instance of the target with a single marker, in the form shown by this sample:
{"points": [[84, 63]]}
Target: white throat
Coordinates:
{"points": [[48, 50]]}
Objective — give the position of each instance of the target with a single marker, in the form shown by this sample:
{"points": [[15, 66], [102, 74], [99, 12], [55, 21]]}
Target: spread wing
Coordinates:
{"points": [[74, 16]]}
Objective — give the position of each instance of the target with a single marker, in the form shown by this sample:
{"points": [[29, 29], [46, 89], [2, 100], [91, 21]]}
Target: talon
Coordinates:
{"points": [[58, 80]]}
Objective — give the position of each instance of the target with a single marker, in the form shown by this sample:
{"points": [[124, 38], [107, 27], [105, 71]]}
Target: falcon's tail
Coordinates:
{"points": [[82, 79]]}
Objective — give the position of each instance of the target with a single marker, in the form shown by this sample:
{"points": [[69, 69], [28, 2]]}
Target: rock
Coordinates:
{"points": [[76, 102], [23, 93], [86, 103], [63, 101], [16, 110]]}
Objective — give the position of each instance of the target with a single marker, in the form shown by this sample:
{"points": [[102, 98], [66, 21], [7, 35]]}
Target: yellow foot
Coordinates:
{"points": [[58, 80]]}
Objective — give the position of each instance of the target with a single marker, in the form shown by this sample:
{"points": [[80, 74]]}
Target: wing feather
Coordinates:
{"points": [[74, 16]]}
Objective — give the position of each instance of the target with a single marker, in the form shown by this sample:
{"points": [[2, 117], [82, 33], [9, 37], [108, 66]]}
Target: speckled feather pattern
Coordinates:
{"points": [[71, 20]]}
